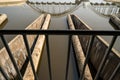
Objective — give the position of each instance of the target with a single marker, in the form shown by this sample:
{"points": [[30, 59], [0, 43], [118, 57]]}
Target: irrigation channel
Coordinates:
{"points": [[21, 16]]}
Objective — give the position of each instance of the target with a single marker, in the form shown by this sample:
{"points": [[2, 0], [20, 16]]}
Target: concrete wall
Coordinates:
{"points": [[3, 17], [18, 49], [98, 50], [113, 0], [37, 52], [11, 2], [80, 56]]}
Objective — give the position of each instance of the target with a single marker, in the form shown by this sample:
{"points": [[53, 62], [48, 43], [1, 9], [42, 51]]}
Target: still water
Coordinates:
{"points": [[21, 16]]}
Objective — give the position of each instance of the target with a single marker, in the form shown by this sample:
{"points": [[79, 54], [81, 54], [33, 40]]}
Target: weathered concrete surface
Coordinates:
{"points": [[79, 52], [3, 17], [98, 50], [17, 47], [115, 20], [36, 55], [11, 2], [113, 0]]}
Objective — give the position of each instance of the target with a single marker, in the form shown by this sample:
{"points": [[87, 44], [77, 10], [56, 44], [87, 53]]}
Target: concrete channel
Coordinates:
{"points": [[19, 51]]}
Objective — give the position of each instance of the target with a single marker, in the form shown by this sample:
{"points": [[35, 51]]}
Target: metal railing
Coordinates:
{"points": [[92, 33]]}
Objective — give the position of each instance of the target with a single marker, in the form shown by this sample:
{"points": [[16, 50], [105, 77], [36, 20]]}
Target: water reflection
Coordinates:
{"points": [[21, 16], [106, 9], [54, 8], [3, 24]]}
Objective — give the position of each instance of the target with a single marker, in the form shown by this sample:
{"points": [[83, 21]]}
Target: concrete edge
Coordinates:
{"points": [[99, 37], [3, 17], [4, 58], [79, 52], [36, 55]]}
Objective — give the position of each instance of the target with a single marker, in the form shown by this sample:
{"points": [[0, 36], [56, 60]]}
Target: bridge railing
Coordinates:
{"points": [[24, 33]]}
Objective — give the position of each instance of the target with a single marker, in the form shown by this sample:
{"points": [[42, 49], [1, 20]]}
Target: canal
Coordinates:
{"points": [[21, 16]]}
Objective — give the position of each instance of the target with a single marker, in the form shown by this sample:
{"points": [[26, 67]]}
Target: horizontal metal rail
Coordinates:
{"points": [[24, 33], [61, 32]]}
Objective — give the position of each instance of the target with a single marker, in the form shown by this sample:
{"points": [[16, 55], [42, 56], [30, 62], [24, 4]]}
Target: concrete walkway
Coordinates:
{"points": [[113, 0], [11, 2], [4, 1]]}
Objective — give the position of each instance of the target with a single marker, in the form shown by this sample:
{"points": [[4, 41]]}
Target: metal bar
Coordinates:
{"points": [[29, 56], [34, 43], [115, 71], [3, 73], [11, 57], [105, 57], [61, 32], [48, 56], [87, 55], [68, 57]]}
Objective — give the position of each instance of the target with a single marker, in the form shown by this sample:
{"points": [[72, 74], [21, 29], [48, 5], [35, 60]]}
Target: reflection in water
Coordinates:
{"points": [[107, 9], [21, 16], [54, 8], [58, 54]]}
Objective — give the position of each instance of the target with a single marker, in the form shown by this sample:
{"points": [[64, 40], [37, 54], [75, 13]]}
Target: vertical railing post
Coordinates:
{"points": [[105, 57], [34, 43], [87, 55], [29, 55], [11, 57], [3, 73], [68, 56], [48, 56]]}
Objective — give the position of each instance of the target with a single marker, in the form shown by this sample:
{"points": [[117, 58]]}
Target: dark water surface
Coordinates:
{"points": [[59, 51], [19, 17]]}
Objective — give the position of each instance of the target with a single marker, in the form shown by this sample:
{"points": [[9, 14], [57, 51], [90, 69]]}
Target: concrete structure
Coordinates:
{"points": [[98, 51], [113, 0], [54, 8], [36, 55], [18, 49], [79, 52], [3, 17], [115, 19], [5, 1], [11, 2]]}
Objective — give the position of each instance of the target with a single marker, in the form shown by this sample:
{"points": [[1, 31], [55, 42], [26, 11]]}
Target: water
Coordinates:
{"points": [[18, 18], [21, 16], [59, 52]]}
